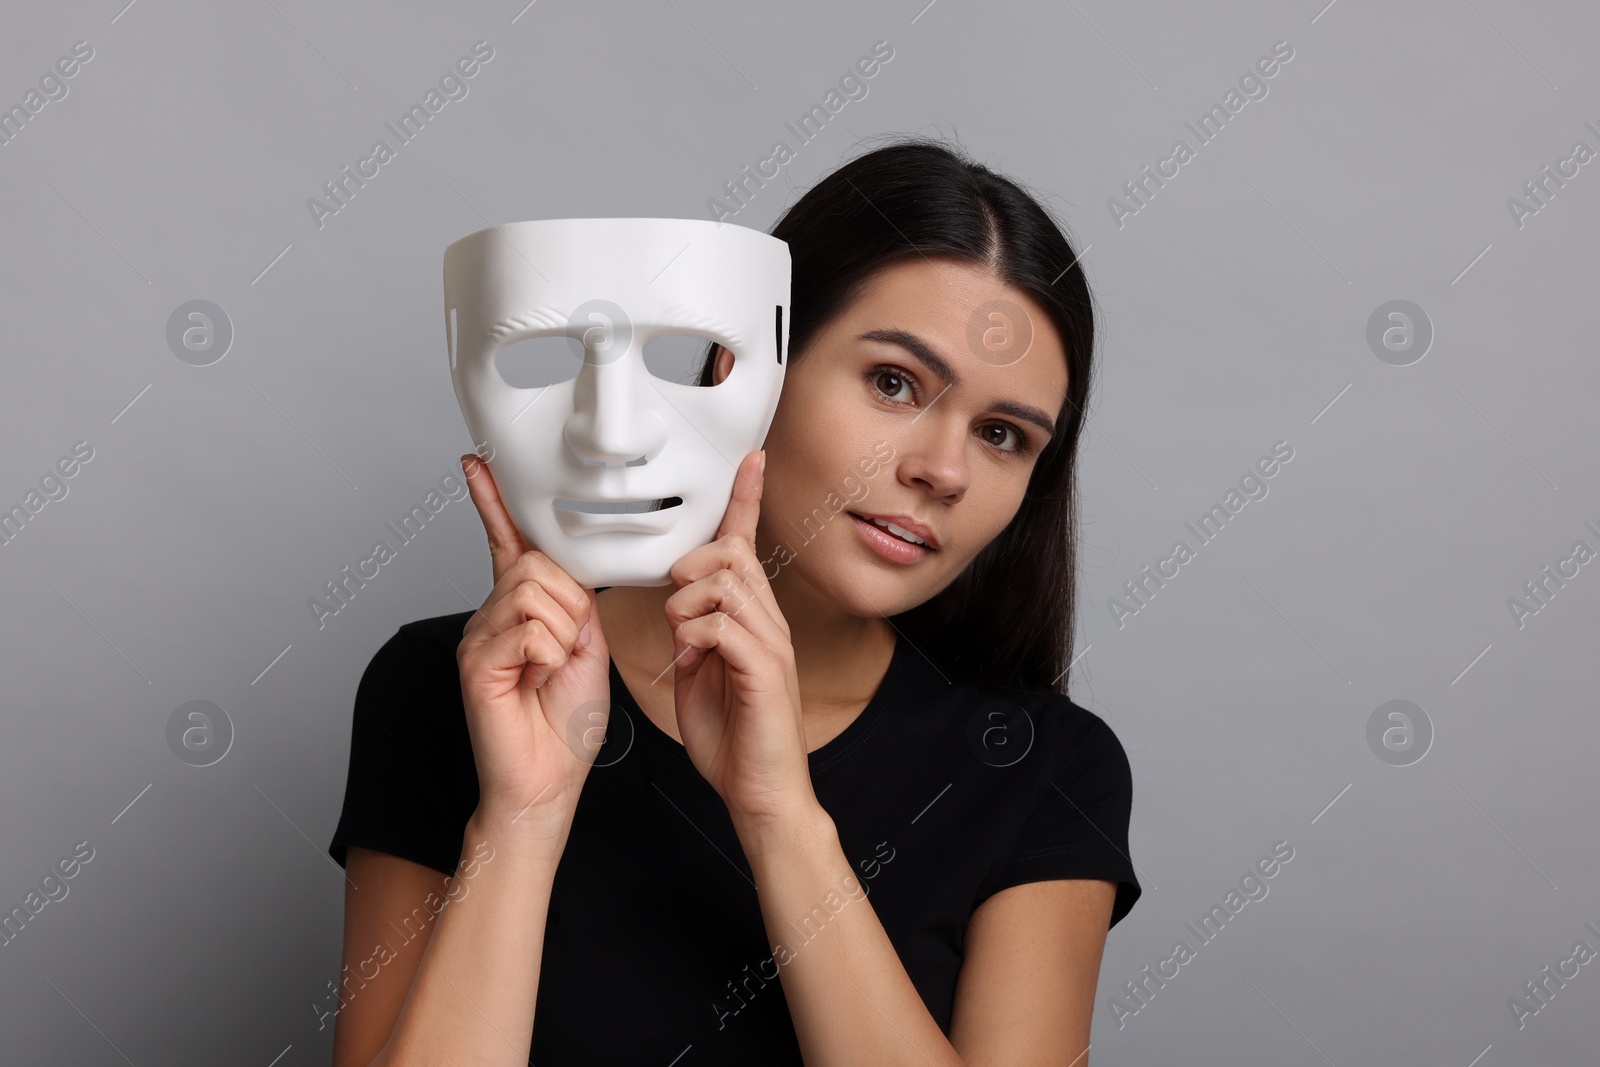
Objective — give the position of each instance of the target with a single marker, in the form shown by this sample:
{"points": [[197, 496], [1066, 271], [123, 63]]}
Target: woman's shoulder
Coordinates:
{"points": [[1050, 792], [436, 632], [1027, 727], [1077, 723], [411, 785], [418, 657], [1049, 712]]}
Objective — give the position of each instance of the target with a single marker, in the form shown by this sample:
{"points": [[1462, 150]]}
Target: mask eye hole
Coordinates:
{"points": [[535, 362], [677, 357]]}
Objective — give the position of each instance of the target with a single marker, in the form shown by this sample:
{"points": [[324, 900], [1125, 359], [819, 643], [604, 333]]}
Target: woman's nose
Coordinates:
{"points": [[936, 455]]}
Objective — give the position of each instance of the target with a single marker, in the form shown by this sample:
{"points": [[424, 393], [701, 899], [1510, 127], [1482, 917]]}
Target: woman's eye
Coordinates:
{"points": [[1017, 443], [880, 376]]}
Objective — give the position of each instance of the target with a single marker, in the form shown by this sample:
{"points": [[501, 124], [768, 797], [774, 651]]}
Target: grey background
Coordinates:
{"points": [[1235, 304]]}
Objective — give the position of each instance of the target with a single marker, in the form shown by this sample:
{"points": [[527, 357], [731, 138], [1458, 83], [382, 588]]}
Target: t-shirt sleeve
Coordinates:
{"points": [[404, 791], [1078, 826]]}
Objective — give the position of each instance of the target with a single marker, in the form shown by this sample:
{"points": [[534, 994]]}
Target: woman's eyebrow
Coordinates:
{"points": [[947, 374]]}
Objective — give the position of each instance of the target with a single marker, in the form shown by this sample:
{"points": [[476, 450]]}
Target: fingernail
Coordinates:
{"points": [[761, 465], [583, 635]]}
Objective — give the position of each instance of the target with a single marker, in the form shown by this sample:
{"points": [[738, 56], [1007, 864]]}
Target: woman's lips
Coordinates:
{"points": [[886, 544]]}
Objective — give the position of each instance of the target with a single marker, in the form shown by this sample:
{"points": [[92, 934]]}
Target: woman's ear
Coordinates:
{"points": [[724, 365]]}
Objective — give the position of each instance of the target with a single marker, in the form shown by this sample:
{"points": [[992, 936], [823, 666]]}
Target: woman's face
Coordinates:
{"points": [[951, 434]]}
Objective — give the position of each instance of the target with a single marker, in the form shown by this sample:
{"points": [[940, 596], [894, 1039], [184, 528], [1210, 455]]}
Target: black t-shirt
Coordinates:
{"points": [[943, 793]]}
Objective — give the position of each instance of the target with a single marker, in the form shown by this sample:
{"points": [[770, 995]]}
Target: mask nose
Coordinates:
{"points": [[614, 420]]}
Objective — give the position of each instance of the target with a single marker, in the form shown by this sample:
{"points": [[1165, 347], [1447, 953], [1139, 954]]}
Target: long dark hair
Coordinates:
{"points": [[1007, 619]]}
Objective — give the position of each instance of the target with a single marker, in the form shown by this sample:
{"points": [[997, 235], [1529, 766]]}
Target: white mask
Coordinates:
{"points": [[616, 434]]}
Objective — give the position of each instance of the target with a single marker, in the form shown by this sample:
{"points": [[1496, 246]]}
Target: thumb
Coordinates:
{"points": [[591, 636], [506, 544], [744, 508]]}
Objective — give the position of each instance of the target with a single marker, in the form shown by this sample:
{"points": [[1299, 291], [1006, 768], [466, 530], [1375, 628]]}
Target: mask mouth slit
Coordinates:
{"points": [[619, 507]]}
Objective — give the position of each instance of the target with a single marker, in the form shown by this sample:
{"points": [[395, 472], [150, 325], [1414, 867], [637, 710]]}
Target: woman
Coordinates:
{"points": [[843, 808]]}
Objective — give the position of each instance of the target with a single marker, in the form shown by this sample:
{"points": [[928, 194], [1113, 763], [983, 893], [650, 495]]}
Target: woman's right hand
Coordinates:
{"points": [[535, 678]]}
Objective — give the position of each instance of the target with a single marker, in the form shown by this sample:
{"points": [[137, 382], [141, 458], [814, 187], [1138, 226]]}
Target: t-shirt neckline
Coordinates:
{"points": [[822, 758]]}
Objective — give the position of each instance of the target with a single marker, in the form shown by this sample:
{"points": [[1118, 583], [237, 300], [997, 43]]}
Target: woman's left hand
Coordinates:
{"points": [[736, 687]]}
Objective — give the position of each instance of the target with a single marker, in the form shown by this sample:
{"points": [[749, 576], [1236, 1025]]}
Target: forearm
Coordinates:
{"points": [[849, 995], [472, 999]]}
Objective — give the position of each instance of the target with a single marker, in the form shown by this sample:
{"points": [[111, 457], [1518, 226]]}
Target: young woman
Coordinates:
{"points": [[843, 811]]}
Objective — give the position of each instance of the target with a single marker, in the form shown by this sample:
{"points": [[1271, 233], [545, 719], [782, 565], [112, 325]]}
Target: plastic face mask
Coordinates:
{"points": [[616, 473]]}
